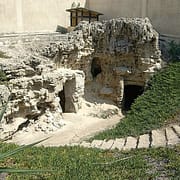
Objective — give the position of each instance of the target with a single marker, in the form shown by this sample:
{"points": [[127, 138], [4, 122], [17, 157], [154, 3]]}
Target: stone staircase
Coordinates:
{"points": [[156, 138]]}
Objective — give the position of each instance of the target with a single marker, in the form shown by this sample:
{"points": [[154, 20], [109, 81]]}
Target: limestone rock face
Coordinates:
{"points": [[4, 95], [37, 100], [46, 80], [37, 93], [124, 49]]}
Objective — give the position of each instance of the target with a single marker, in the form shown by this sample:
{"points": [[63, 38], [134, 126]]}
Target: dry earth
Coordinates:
{"points": [[95, 116]]}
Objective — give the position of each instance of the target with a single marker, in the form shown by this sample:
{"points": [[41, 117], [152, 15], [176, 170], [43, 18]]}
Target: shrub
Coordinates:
{"points": [[3, 55], [174, 50]]}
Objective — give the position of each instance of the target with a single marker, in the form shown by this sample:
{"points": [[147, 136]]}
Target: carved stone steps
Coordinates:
{"points": [[156, 138], [172, 137]]}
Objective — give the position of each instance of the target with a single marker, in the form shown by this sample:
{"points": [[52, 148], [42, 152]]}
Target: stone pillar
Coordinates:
{"points": [[120, 91]]}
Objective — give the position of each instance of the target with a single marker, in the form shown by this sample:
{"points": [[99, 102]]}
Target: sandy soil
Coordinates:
{"points": [[94, 117]]}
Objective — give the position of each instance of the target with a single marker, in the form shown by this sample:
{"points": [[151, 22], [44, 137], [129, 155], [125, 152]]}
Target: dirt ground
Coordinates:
{"points": [[96, 115]]}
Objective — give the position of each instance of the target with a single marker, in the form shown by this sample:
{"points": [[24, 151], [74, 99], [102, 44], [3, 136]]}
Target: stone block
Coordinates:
{"points": [[144, 141], [158, 138], [96, 143], [118, 144], [107, 144], [85, 144], [172, 137], [131, 143], [177, 129], [106, 91]]}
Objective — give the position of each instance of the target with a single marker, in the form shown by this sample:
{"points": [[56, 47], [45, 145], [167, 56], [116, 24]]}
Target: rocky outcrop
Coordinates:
{"points": [[45, 81], [37, 92], [115, 53], [37, 101]]}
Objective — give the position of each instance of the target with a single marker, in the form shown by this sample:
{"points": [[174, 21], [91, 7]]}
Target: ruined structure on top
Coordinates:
{"points": [[117, 56], [120, 55]]}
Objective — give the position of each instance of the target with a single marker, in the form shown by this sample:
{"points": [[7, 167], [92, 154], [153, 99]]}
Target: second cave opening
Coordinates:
{"points": [[131, 92]]}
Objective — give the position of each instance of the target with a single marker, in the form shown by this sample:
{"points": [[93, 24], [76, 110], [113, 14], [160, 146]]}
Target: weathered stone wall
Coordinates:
{"points": [[46, 80], [37, 92], [124, 51]]}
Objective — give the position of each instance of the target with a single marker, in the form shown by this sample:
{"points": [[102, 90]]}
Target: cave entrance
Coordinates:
{"points": [[95, 67], [131, 92], [66, 97]]}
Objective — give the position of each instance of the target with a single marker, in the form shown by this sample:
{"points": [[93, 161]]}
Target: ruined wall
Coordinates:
{"points": [[114, 53], [48, 79], [37, 92]]}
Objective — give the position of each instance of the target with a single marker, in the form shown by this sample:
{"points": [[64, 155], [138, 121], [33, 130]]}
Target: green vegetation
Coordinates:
{"points": [[155, 108], [9, 153], [3, 55], [174, 50], [3, 77], [81, 163]]}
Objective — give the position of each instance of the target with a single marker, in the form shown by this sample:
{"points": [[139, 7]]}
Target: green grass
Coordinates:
{"points": [[3, 55], [159, 104], [3, 77], [80, 163]]}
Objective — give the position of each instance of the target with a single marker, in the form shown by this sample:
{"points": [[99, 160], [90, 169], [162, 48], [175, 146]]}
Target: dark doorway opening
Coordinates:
{"points": [[95, 67], [131, 92], [66, 96], [61, 95]]}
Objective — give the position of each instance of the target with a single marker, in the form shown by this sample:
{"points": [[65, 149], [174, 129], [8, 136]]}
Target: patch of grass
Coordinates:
{"points": [[174, 50], [3, 55], [81, 163], [155, 108], [3, 77]]}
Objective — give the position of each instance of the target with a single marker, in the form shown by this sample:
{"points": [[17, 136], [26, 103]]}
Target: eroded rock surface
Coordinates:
{"points": [[46, 80], [37, 92], [114, 53]]}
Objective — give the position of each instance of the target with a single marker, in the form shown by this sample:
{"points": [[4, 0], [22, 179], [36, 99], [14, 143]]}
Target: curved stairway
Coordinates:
{"points": [[156, 138]]}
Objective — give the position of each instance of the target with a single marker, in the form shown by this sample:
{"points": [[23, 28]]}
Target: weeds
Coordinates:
{"points": [[155, 108], [3, 77], [174, 50], [3, 55], [8, 154], [89, 164]]}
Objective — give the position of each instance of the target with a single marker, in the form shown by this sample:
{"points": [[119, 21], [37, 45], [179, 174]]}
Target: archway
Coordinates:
{"points": [[131, 92]]}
